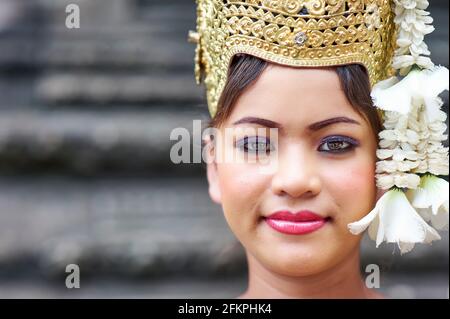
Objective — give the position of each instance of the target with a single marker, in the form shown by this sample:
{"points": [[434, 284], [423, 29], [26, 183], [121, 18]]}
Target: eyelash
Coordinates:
{"points": [[338, 139], [243, 143]]}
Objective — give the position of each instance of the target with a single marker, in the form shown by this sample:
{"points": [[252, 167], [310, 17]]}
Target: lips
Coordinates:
{"points": [[300, 223]]}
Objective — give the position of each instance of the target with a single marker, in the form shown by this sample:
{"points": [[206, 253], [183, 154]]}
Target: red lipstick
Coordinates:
{"points": [[300, 223]]}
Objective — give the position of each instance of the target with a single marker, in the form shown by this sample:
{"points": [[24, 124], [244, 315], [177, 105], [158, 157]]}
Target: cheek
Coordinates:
{"points": [[241, 190], [238, 181], [352, 181], [242, 187], [234, 180], [353, 188]]}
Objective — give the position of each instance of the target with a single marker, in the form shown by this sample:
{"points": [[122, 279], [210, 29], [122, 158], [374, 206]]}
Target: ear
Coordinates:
{"points": [[212, 174]]}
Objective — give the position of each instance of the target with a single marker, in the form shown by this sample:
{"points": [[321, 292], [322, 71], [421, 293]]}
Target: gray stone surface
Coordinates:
{"points": [[137, 227], [109, 89], [87, 142]]}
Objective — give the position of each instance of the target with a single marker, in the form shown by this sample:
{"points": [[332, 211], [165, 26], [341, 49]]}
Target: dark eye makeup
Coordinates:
{"points": [[330, 144], [337, 144], [255, 144]]}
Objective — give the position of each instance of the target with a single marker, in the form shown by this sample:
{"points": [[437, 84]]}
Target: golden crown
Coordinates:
{"points": [[308, 33]]}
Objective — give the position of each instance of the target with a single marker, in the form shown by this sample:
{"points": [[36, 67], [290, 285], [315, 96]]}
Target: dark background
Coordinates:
{"points": [[85, 174]]}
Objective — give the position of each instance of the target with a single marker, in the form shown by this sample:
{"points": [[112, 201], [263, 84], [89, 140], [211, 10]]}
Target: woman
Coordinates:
{"points": [[293, 221]]}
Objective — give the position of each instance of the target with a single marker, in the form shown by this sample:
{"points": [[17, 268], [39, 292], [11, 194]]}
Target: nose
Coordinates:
{"points": [[297, 174]]}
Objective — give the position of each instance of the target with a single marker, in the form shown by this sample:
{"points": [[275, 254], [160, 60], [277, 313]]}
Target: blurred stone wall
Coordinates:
{"points": [[85, 175]]}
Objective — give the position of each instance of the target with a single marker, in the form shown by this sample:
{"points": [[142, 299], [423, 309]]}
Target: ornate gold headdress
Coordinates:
{"points": [[386, 36], [292, 32]]}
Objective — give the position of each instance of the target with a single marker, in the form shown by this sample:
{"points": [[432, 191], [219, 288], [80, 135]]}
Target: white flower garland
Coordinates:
{"points": [[414, 23], [411, 154]]}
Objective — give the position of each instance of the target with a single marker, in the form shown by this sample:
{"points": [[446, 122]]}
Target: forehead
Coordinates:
{"points": [[294, 95]]}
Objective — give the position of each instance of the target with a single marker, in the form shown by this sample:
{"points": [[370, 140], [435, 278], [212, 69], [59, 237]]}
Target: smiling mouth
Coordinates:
{"points": [[301, 223]]}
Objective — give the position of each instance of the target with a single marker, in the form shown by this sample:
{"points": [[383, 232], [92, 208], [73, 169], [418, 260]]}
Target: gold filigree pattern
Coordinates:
{"points": [[311, 33]]}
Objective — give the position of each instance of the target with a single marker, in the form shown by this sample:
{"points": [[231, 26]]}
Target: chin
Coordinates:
{"points": [[299, 269], [299, 260], [305, 262]]}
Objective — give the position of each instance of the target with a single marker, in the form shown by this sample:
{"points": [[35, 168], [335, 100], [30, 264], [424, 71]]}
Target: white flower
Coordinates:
{"points": [[407, 136], [397, 154], [394, 220], [404, 62], [394, 120], [421, 87], [438, 165], [411, 4], [395, 166], [419, 49], [414, 23], [431, 200], [398, 179], [433, 155]]}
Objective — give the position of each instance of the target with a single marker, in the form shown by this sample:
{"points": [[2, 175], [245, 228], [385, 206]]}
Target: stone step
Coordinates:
{"points": [[17, 91], [105, 89], [166, 14], [130, 51], [140, 227], [113, 33], [45, 15], [136, 227], [95, 142], [144, 89]]}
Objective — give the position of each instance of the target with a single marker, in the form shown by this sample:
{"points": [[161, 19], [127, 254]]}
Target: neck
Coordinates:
{"points": [[341, 281]]}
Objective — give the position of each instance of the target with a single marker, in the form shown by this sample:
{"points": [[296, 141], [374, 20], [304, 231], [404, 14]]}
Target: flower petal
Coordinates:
{"points": [[362, 224], [394, 220], [402, 224], [435, 81], [392, 95], [431, 198]]}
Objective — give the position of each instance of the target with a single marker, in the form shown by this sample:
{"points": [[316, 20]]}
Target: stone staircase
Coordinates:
{"points": [[85, 175]]}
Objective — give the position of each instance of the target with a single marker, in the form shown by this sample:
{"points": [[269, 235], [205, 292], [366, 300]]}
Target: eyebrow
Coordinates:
{"points": [[312, 127], [334, 120], [257, 120]]}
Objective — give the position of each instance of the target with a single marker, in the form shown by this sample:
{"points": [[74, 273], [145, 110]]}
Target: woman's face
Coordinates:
{"points": [[326, 168]]}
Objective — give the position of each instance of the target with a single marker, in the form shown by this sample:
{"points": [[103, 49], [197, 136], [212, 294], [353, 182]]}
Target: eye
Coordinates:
{"points": [[255, 144], [337, 144]]}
